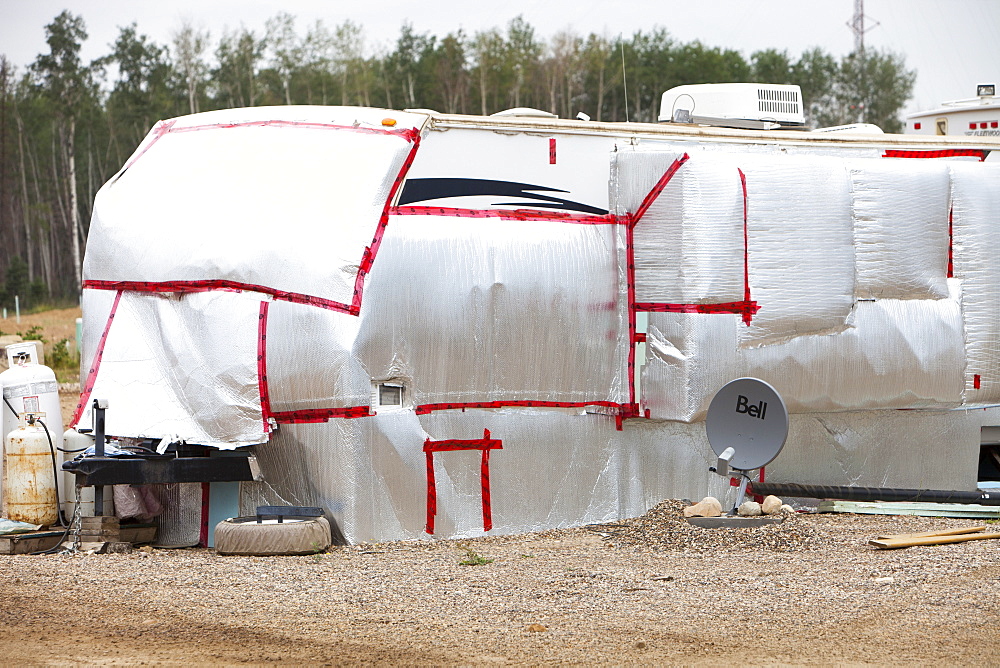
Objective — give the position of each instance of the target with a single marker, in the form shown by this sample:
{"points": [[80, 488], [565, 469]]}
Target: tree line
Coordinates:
{"points": [[66, 126]]}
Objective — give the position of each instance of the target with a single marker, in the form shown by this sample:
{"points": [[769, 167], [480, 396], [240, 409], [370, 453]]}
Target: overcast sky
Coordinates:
{"points": [[953, 44]]}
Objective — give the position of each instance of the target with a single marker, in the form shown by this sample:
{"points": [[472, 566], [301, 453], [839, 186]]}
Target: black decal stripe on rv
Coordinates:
{"points": [[422, 190]]}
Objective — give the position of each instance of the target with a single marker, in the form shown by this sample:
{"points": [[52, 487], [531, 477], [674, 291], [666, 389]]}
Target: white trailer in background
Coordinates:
{"points": [[430, 323], [972, 117]]}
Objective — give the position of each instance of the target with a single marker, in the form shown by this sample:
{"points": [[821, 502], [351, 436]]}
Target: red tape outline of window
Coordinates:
{"points": [[368, 256], [746, 308], [485, 444], [88, 386]]}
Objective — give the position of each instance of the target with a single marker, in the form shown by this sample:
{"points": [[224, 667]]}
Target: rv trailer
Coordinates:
{"points": [[972, 117], [443, 325]]}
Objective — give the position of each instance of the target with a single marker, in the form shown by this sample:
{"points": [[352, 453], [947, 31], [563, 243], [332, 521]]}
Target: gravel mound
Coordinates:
{"points": [[664, 528]]}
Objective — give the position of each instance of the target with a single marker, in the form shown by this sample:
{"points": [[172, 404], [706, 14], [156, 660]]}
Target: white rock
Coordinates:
{"points": [[707, 507], [771, 505], [787, 509], [749, 509]]}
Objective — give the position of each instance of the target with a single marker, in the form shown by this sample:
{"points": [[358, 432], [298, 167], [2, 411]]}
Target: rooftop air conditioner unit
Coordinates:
{"points": [[736, 105]]}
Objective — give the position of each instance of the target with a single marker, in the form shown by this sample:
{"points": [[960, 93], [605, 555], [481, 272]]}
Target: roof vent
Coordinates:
{"points": [[737, 105]]}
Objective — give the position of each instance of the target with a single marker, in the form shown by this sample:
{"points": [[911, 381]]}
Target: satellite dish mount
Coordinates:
{"points": [[746, 425]]}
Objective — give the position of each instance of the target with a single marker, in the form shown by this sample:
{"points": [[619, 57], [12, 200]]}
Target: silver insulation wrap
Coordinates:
{"points": [[267, 288]]}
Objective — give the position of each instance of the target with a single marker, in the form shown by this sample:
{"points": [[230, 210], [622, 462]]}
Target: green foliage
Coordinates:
{"points": [[33, 333], [64, 116], [16, 283], [59, 356], [473, 558]]}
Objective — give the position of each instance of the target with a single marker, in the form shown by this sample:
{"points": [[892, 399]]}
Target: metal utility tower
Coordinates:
{"points": [[857, 26]]}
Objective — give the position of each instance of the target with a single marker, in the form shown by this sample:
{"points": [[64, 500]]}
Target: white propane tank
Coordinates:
{"points": [[29, 387], [74, 440], [29, 488]]}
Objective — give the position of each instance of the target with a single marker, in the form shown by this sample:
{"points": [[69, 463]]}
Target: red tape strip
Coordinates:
{"points": [[658, 188], [508, 214], [630, 292], [747, 315], [88, 386], [265, 398], [485, 444], [208, 285], [314, 415], [943, 153], [159, 130], [743, 308], [423, 409], [951, 239], [372, 250]]}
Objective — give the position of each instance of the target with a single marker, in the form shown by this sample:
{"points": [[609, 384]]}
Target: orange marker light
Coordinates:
{"points": [[389, 122]]}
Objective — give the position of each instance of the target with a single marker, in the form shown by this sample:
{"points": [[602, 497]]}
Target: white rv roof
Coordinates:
{"points": [[677, 132]]}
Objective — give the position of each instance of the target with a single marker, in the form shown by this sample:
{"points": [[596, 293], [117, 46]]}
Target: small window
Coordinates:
{"points": [[388, 394]]}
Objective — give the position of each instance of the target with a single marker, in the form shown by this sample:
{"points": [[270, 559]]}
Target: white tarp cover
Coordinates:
{"points": [[975, 191], [222, 197], [182, 365]]}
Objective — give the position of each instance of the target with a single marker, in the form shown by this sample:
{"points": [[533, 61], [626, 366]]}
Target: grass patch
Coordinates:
{"points": [[473, 558]]}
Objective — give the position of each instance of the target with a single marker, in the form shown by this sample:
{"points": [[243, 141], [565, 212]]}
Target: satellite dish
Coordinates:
{"points": [[749, 416]]}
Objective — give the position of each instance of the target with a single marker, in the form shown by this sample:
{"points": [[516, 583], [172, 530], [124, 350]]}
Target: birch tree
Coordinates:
{"points": [[66, 82], [189, 47]]}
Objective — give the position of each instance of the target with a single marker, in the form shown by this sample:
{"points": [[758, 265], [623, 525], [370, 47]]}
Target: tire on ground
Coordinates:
{"points": [[243, 536]]}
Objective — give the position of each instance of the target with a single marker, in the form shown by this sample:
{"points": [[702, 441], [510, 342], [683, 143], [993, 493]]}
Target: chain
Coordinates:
{"points": [[75, 524]]}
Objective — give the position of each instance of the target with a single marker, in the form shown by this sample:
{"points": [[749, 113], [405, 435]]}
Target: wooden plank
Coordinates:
{"points": [[930, 540], [958, 510], [99, 522], [137, 533], [924, 534]]}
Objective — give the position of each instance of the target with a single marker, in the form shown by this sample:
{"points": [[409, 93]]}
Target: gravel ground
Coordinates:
{"points": [[652, 590]]}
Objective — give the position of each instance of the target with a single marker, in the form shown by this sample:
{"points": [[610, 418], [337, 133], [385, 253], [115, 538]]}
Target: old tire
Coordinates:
{"points": [[243, 536]]}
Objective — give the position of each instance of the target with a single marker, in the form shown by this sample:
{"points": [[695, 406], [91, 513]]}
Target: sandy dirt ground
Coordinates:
{"points": [[57, 324], [650, 591]]}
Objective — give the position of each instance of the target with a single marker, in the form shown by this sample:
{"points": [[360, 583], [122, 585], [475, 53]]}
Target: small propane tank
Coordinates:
{"points": [[29, 387], [73, 441], [29, 489]]}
